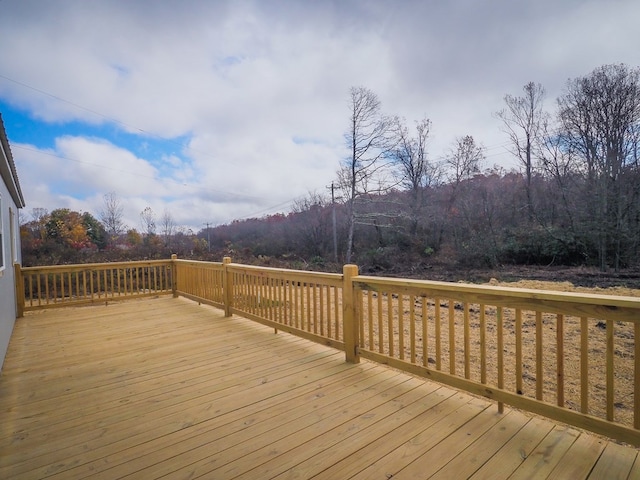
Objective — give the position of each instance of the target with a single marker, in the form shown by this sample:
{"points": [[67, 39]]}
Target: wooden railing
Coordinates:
{"points": [[307, 304], [568, 356], [67, 285], [571, 357], [200, 281]]}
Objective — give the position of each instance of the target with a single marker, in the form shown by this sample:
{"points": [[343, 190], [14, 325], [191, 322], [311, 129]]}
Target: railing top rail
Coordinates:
{"points": [[90, 266], [512, 296], [285, 272], [199, 263]]}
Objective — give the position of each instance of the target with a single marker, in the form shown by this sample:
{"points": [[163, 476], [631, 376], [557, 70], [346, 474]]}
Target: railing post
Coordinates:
{"points": [[349, 316], [174, 275], [17, 269], [227, 286]]}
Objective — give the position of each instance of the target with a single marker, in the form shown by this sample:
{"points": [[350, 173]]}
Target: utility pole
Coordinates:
{"points": [[208, 237]]}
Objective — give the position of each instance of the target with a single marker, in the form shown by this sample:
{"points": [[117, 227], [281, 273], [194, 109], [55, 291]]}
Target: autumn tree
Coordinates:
{"points": [[95, 230], [63, 235], [67, 227], [133, 237]]}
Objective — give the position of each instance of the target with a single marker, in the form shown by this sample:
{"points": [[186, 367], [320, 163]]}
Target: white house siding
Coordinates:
{"points": [[10, 200], [7, 276]]}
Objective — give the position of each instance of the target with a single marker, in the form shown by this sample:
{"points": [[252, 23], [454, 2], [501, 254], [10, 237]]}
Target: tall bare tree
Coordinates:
{"points": [[600, 118], [369, 140], [111, 216], [523, 121], [148, 221], [464, 160], [413, 166], [167, 226]]}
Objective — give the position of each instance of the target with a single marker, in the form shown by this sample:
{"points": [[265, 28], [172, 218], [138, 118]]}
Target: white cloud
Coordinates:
{"points": [[259, 90]]}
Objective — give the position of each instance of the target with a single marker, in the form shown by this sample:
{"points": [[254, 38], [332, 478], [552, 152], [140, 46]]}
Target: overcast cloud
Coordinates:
{"points": [[220, 110]]}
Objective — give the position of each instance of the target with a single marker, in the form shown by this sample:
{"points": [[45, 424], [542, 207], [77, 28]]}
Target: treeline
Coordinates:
{"points": [[482, 221], [64, 236], [574, 200]]}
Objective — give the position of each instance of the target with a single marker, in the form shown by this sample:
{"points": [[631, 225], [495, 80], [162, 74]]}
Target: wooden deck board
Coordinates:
{"points": [[168, 388]]}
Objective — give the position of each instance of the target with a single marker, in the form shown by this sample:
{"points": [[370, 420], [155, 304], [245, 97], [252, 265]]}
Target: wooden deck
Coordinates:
{"points": [[167, 388]]}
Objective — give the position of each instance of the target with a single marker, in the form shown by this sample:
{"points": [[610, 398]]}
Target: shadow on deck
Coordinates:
{"points": [[169, 388]]}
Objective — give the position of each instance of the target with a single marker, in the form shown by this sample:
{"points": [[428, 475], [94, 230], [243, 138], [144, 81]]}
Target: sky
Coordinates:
{"points": [[215, 111]]}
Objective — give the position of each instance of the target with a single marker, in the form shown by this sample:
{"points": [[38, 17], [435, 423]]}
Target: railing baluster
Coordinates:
{"points": [[560, 359], [539, 352], [401, 326], [412, 327], [518, 334], [424, 310], [315, 308], [380, 324], [359, 315], [636, 375], [329, 303], [370, 318], [610, 373], [390, 323], [500, 341], [452, 337], [467, 342], [31, 291], [438, 335], [483, 345], [336, 306], [77, 277], [584, 365], [321, 308]]}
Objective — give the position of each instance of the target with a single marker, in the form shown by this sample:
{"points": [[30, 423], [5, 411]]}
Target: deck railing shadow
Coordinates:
{"points": [[571, 357]]}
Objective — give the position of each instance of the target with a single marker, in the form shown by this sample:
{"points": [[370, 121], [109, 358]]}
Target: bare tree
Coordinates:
{"points": [[38, 214], [148, 221], [167, 226], [369, 140], [464, 160], [415, 171], [311, 224], [111, 216], [523, 120], [600, 118], [40, 217]]}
